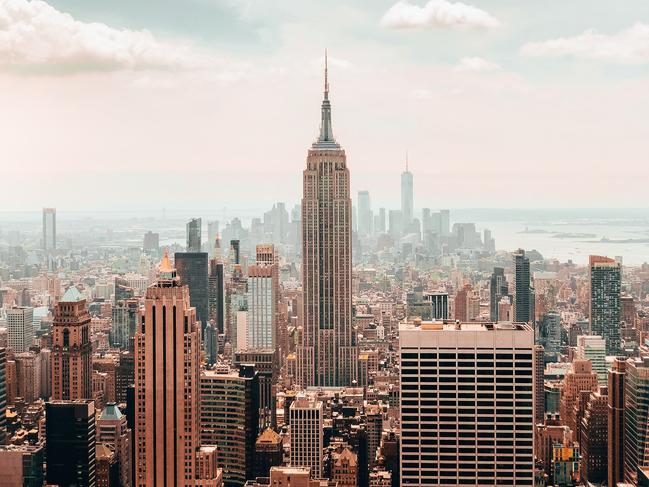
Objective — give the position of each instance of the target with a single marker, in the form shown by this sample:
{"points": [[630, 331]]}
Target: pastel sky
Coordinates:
{"points": [[146, 104]]}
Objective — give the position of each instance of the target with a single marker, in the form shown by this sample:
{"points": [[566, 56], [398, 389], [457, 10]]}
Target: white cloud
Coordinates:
{"points": [[477, 64], [437, 13], [630, 46], [36, 37], [421, 94]]}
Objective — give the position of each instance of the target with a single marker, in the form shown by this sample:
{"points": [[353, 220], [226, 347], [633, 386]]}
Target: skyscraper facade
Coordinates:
{"points": [[307, 436], [192, 271], [328, 353], [466, 392], [229, 419], [364, 213], [194, 229], [636, 419], [523, 305], [70, 443], [20, 328], [605, 288], [216, 288], [407, 198], [71, 348], [49, 228], [263, 295], [167, 365], [616, 377], [498, 287], [3, 395]]}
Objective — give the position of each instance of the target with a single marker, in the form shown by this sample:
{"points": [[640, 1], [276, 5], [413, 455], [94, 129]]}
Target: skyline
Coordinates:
{"points": [[139, 94]]}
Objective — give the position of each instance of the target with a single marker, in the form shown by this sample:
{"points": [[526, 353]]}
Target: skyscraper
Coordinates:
{"points": [[70, 443], [498, 287], [306, 426], [229, 419], [407, 199], [167, 365], [616, 378], [523, 294], [216, 288], [636, 419], [605, 288], [192, 271], [71, 348], [3, 395], [49, 228], [263, 290], [151, 242], [364, 213], [212, 234], [194, 229], [466, 392], [328, 353], [20, 328]]}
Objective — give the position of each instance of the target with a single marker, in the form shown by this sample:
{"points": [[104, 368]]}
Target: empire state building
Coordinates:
{"points": [[328, 354]]}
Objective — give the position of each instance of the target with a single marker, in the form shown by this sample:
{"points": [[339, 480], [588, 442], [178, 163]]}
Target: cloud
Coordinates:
{"points": [[421, 94], [630, 46], [437, 13], [35, 37], [477, 64]]}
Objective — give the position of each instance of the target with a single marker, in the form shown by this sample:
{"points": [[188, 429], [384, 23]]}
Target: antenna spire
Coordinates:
{"points": [[326, 84]]}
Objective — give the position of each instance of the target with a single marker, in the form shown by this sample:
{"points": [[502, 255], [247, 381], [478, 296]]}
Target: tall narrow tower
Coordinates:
{"points": [[167, 364], [407, 198], [71, 348], [328, 354]]}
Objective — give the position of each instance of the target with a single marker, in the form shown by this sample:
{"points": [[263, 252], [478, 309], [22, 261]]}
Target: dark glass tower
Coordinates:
{"points": [[70, 442], [498, 289], [192, 270], [523, 298], [605, 287], [194, 228]]}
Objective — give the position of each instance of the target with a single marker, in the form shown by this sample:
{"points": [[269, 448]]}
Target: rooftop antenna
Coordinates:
{"points": [[326, 87]]}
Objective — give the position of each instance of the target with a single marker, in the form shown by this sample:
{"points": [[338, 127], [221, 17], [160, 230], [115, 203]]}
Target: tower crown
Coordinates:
{"points": [[326, 138]]}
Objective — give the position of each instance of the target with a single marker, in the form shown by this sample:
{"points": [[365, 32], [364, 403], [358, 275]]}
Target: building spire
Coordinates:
{"points": [[406, 161], [326, 138], [326, 84]]}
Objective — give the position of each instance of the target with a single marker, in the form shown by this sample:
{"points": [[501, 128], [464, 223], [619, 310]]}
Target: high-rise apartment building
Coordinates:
{"points": [[307, 437], [616, 388], [70, 443], [229, 419], [328, 353], [364, 213], [466, 399], [498, 288], [216, 289], [71, 361], [263, 297], [20, 328], [194, 230], [523, 298], [167, 366], [594, 430], [407, 198], [3, 395], [124, 314], [49, 229], [605, 288], [192, 269], [593, 348], [636, 419]]}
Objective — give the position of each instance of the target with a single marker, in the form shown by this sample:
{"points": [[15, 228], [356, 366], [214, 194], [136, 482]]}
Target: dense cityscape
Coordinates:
{"points": [[338, 345]]}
